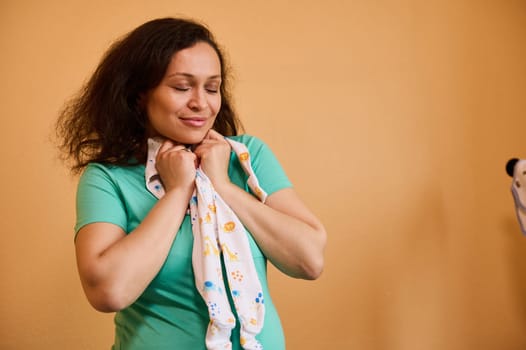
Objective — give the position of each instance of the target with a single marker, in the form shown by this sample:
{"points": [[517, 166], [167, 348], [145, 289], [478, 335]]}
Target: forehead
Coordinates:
{"points": [[198, 60]]}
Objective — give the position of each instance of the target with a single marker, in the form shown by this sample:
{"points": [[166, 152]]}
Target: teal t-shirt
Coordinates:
{"points": [[170, 314]]}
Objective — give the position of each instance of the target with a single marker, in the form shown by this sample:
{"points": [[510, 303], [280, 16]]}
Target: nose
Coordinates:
{"points": [[197, 100]]}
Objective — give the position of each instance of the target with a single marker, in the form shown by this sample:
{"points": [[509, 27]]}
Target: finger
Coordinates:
{"points": [[173, 147], [166, 145], [177, 148], [214, 135]]}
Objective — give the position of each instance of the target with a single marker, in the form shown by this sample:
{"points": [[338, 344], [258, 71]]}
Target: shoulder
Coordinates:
{"points": [[105, 174], [100, 197], [259, 150], [248, 140], [94, 171], [254, 144], [97, 173], [265, 164], [111, 171]]}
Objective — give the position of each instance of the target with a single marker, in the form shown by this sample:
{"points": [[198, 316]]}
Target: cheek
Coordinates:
{"points": [[216, 105], [154, 106], [164, 102]]}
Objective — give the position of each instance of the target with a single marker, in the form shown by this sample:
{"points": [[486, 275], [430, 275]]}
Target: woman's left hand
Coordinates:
{"points": [[214, 156], [287, 232]]}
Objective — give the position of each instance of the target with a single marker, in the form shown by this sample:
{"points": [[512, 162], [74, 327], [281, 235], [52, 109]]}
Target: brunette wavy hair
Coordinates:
{"points": [[105, 122]]}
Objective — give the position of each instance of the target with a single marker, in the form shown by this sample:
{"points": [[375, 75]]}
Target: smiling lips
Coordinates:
{"points": [[195, 122]]}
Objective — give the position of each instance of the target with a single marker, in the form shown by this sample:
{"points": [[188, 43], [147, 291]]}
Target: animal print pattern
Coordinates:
{"points": [[220, 236]]}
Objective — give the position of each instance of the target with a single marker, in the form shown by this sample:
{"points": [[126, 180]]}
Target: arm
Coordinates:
{"points": [[290, 236], [116, 267], [286, 231]]}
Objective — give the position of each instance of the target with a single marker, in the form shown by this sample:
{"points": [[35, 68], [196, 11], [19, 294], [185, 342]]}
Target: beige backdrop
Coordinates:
{"points": [[394, 119]]}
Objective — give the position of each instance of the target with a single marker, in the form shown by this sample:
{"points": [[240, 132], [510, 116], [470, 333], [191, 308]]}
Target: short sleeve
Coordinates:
{"points": [[98, 199], [265, 164]]}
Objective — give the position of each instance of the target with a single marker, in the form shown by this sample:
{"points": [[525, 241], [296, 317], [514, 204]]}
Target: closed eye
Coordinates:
{"points": [[179, 88]]}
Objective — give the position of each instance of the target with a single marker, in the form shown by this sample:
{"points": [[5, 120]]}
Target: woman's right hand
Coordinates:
{"points": [[176, 166]]}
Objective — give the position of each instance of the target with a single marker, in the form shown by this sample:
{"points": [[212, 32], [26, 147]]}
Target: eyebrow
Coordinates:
{"points": [[188, 75]]}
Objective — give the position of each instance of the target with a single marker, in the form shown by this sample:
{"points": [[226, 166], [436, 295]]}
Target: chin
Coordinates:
{"points": [[190, 138]]}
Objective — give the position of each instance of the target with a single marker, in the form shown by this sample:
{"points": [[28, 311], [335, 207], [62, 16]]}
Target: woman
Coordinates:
{"points": [[167, 79]]}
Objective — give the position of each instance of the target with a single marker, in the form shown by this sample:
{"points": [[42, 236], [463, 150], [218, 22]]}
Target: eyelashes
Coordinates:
{"points": [[184, 89]]}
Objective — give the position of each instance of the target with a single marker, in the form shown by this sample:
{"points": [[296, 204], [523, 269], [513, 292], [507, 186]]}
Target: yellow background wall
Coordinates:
{"points": [[394, 119]]}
